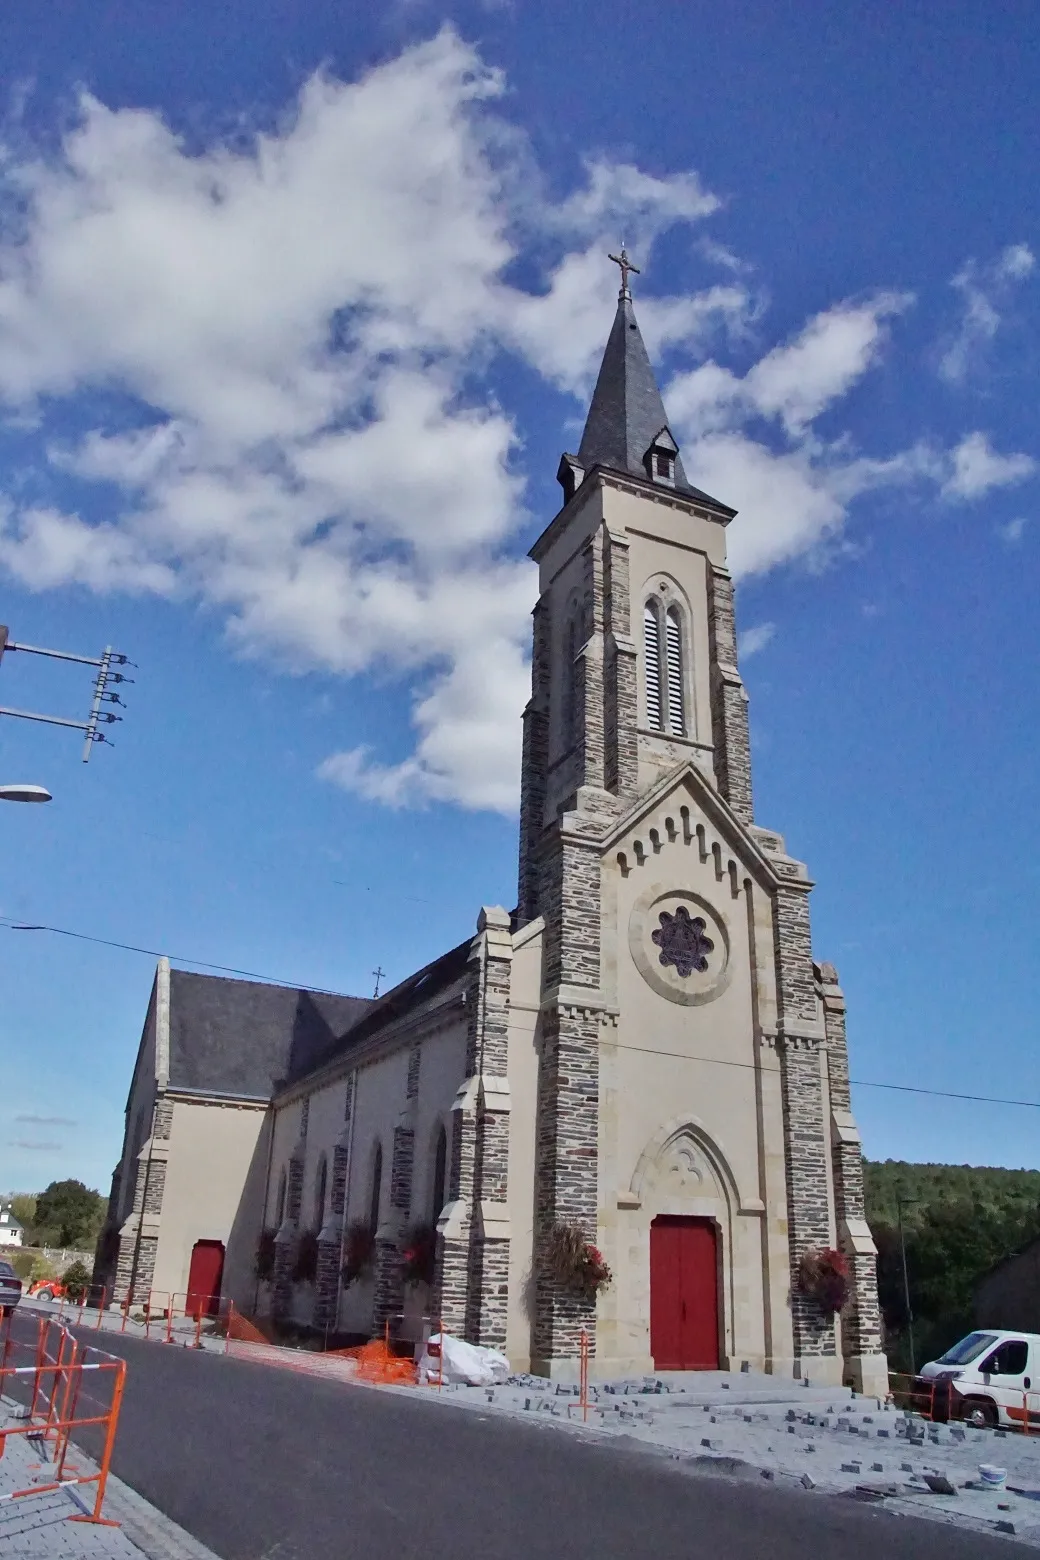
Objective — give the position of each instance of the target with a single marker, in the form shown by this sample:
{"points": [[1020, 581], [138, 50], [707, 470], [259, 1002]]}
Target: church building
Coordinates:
{"points": [[640, 1071]]}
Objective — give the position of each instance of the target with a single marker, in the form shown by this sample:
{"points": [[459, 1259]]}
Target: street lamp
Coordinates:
{"points": [[24, 793], [901, 1203]]}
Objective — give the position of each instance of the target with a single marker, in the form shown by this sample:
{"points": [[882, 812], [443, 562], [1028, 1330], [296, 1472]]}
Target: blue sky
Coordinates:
{"points": [[298, 310]]}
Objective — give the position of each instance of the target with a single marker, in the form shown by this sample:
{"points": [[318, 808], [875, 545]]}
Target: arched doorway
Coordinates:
{"points": [[684, 1293], [204, 1277]]}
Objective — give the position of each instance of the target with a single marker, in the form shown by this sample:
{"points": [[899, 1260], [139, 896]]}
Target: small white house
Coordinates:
{"points": [[10, 1230]]}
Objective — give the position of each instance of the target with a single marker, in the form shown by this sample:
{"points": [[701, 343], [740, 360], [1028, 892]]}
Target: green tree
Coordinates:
{"points": [[23, 1206], [69, 1214], [958, 1222], [76, 1279]]}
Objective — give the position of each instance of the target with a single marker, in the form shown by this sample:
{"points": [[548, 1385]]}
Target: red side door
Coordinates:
{"points": [[684, 1303], [204, 1277]]}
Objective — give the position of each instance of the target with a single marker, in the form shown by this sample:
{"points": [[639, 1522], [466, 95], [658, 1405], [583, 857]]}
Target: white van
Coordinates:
{"points": [[991, 1377]]}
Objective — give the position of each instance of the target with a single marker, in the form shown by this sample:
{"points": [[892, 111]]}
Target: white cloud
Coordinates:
{"points": [[754, 639], [982, 288], [976, 468], [299, 323], [1013, 531], [302, 330]]}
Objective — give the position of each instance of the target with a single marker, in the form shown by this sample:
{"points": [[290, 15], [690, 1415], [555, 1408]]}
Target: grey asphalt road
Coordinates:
{"points": [[262, 1464]]}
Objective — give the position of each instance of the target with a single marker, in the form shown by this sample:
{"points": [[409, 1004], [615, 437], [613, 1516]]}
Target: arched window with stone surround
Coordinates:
{"points": [[377, 1186], [440, 1171], [652, 665], [280, 1205], [570, 650], [320, 1186], [675, 672]]}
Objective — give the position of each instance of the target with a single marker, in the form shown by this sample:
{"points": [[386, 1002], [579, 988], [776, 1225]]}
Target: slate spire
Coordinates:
{"points": [[627, 414]]}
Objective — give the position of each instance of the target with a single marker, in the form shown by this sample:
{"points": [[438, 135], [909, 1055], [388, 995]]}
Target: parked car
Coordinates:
{"points": [[46, 1289], [991, 1377], [10, 1289]]}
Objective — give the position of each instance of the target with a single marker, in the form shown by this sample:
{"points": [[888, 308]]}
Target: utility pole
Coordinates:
{"points": [[97, 717], [901, 1203]]}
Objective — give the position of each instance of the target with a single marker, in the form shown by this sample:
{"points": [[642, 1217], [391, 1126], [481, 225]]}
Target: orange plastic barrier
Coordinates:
{"points": [[377, 1363], [62, 1387], [242, 1330]]}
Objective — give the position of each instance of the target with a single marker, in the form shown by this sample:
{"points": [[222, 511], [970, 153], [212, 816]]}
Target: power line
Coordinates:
{"points": [[858, 1083], [155, 953], [644, 1050]]}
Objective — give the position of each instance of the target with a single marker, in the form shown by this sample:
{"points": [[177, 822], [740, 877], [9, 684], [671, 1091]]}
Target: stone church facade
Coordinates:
{"points": [[644, 1050]]}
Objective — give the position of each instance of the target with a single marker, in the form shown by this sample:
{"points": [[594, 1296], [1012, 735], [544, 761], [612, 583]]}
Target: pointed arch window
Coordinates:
{"points": [[652, 663], [440, 1171], [377, 1186], [570, 650], [321, 1181], [674, 672]]}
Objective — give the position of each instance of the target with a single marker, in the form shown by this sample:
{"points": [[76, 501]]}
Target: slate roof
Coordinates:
{"points": [[394, 1004], [244, 1037], [627, 412]]}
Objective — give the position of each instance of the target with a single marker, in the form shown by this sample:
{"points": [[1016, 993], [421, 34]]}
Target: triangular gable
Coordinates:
{"points": [[732, 833]]}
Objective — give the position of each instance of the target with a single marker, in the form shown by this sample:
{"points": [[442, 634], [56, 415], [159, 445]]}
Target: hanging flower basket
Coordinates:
{"points": [[419, 1255], [576, 1265], [823, 1275], [306, 1269], [264, 1264], [359, 1247]]}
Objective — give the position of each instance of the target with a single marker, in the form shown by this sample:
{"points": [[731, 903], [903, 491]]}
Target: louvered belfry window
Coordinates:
{"points": [[652, 659], [673, 653]]}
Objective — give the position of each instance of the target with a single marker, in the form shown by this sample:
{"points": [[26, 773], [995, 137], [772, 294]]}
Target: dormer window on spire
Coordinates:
{"points": [[660, 458]]}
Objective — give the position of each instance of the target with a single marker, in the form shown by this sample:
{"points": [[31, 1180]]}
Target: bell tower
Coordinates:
{"points": [[635, 661]]}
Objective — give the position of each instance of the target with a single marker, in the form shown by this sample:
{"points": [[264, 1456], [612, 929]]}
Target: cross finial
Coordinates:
{"points": [[626, 267], [379, 972]]}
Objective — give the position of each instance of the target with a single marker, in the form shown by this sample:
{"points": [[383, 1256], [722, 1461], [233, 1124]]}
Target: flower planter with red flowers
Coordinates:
{"points": [[359, 1246], [823, 1275], [576, 1265], [419, 1255]]}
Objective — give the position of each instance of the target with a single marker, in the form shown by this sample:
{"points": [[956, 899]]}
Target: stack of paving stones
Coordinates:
{"points": [[821, 1438]]}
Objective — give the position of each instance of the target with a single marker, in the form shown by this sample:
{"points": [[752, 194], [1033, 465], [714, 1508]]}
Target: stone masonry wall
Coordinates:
{"points": [[286, 1238], [534, 766], [620, 705], [330, 1239], [471, 1284], [135, 1263], [729, 709], [806, 1127], [589, 703], [566, 1148], [861, 1320]]}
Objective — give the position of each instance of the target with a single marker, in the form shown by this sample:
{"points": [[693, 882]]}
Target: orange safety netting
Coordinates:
{"points": [[240, 1327], [376, 1362]]}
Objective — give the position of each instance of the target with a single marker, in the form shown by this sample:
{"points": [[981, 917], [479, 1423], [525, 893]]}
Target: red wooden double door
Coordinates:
{"points": [[684, 1294], [204, 1278]]}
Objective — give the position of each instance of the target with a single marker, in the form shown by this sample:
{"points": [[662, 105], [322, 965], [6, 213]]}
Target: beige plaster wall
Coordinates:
{"points": [[524, 996], [214, 1189], [690, 1117]]}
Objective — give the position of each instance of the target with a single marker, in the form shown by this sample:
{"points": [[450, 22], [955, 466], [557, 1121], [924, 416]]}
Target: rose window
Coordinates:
{"points": [[682, 941]]}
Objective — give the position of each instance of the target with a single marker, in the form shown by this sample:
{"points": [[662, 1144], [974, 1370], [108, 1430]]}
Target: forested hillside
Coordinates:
{"points": [[958, 1220]]}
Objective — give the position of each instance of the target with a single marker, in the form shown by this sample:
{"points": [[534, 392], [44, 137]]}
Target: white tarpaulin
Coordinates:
{"points": [[464, 1362]]}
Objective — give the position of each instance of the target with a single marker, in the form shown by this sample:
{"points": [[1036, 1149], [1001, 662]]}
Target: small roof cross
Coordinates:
{"points": [[626, 267]]}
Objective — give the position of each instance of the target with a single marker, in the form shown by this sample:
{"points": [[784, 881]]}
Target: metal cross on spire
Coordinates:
{"points": [[626, 267]]}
